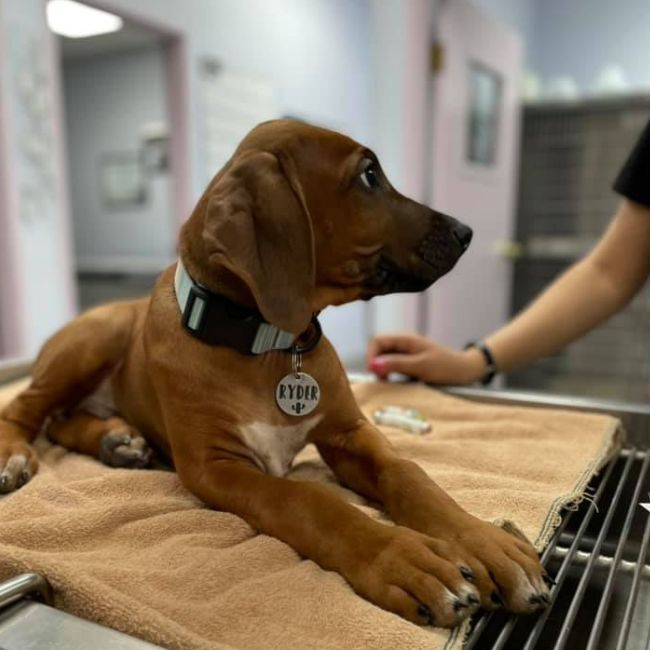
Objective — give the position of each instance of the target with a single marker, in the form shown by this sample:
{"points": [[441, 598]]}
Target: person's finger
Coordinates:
{"points": [[376, 365], [373, 349], [406, 364], [390, 343]]}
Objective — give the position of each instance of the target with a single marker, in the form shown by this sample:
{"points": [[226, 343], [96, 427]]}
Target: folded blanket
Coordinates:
{"points": [[135, 551]]}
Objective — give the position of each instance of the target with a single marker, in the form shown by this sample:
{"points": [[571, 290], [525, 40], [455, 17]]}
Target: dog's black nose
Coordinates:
{"points": [[462, 234]]}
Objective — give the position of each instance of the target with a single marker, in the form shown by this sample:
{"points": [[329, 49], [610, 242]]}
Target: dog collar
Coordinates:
{"points": [[216, 320]]}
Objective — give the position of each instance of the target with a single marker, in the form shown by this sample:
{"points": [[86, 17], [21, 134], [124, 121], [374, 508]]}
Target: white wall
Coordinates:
{"points": [[109, 99], [314, 52], [37, 295], [581, 37]]}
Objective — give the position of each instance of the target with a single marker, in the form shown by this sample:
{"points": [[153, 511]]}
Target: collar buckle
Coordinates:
{"points": [[195, 308]]}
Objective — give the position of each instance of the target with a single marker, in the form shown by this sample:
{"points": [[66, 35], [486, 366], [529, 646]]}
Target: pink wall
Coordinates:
{"points": [[417, 98], [64, 215]]}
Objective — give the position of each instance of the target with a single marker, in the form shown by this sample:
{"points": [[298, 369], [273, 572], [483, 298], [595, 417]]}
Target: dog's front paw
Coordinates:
{"points": [[506, 568], [18, 462], [406, 575], [123, 447]]}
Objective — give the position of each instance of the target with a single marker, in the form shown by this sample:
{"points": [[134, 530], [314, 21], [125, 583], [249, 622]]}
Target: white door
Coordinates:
{"points": [[474, 167]]}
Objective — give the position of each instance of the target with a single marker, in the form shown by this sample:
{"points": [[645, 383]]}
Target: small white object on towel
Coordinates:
{"points": [[406, 419]]}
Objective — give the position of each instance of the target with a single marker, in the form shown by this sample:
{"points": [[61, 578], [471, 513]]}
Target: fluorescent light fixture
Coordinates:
{"points": [[77, 20]]}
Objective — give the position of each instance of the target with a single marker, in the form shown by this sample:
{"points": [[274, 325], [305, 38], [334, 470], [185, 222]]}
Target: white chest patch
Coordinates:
{"points": [[276, 446]]}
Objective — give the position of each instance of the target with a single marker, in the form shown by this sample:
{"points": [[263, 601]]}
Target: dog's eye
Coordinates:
{"points": [[370, 177]]}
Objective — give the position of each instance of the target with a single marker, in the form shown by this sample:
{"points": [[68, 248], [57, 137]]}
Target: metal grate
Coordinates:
{"points": [[599, 559], [570, 156]]}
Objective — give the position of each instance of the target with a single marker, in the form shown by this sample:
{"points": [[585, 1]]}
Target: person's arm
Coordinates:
{"points": [[587, 294]]}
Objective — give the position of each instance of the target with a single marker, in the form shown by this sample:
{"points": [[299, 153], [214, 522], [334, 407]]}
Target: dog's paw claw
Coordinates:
{"points": [[425, 612], [540, 600], [496, 599], [121, 449], [468, 574], [18, 463]]}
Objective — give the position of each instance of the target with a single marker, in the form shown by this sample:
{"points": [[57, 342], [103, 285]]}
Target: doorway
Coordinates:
{"points": [[126, 173]]}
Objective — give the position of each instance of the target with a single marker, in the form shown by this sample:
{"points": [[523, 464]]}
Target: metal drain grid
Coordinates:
{"points": [[598, 558]]}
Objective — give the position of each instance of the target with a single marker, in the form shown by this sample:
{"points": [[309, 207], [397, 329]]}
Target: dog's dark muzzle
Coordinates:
{"points": [[433, 256], [446, 240]]}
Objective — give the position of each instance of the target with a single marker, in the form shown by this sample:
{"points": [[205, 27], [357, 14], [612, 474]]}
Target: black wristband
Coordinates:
{"points": [[490, 364]]}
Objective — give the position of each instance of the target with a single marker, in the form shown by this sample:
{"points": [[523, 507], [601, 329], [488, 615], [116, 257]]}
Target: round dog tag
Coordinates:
{"points": [[297, 393]]}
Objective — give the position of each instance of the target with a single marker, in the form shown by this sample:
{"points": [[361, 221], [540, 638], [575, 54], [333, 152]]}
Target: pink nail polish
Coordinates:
{"points": [[377, 365]]}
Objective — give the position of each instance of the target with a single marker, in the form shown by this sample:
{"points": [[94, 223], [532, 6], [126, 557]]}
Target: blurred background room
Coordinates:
{"points": [[512, 115]]}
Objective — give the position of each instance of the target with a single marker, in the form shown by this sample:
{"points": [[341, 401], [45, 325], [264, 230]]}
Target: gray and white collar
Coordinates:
{"points": [[216, 320]]}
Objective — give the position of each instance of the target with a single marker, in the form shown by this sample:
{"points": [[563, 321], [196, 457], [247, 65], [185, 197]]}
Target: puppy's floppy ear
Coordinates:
{"points": [[257, 227]]}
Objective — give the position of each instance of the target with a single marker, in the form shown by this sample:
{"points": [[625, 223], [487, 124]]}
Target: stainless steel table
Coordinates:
{"points": [[28, 622]]}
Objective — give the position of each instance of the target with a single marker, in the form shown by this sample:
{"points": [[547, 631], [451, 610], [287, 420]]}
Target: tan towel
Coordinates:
{"points": [[134, 551]]}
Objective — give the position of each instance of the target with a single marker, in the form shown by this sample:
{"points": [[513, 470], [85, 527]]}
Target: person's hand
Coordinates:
{"points": [[419, 357]]}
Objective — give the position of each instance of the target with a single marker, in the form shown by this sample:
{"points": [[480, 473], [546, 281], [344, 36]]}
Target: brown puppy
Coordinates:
{"points": [[299, 218]]}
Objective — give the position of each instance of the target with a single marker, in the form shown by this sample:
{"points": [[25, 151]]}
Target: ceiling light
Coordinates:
{"points": [[77, 20]]}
